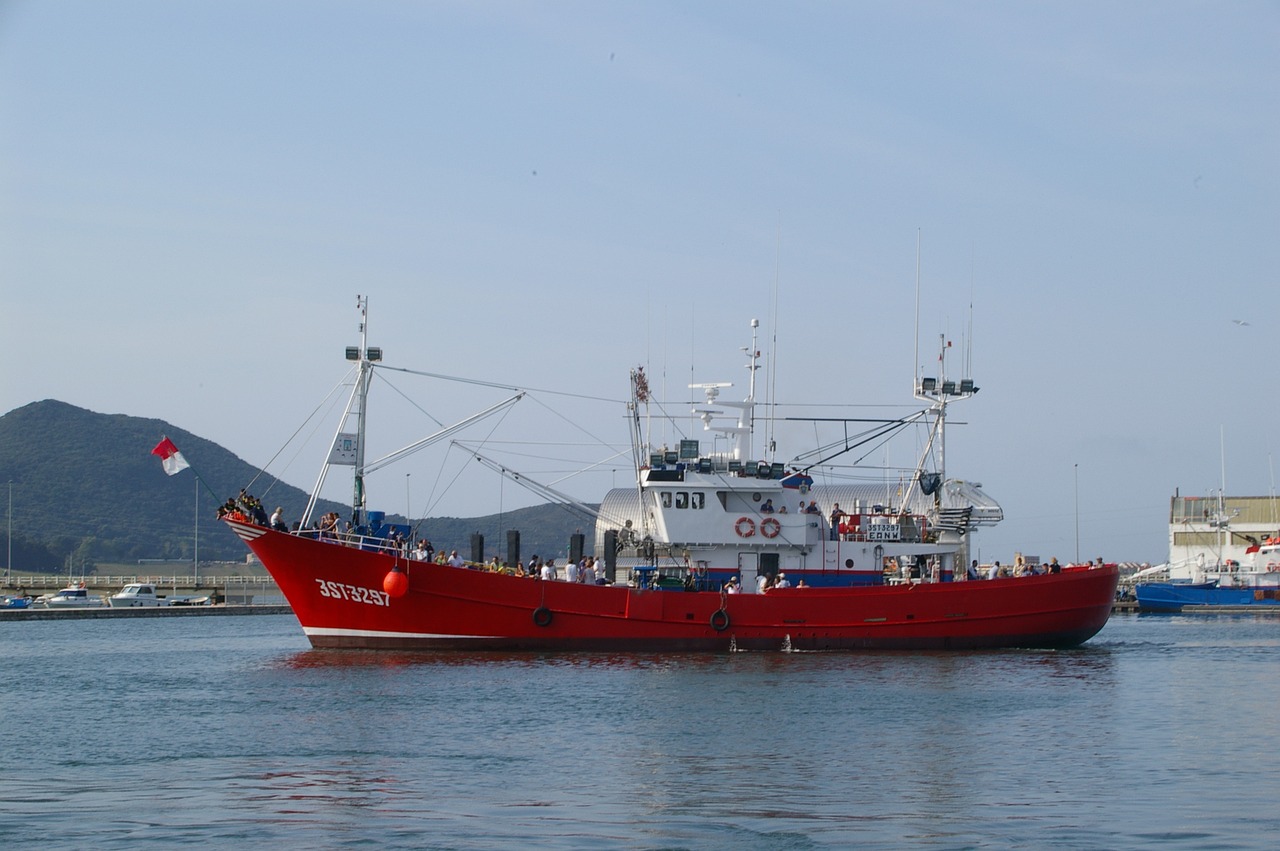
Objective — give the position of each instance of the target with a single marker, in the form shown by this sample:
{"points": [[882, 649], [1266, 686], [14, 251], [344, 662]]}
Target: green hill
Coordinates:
{"points": [[86, 489]]}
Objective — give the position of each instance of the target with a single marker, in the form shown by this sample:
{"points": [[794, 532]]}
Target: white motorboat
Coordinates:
{"points": [[72, 597], [145, 594]]}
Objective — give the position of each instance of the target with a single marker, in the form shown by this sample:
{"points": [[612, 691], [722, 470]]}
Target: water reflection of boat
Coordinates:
{"points": [[887, 573]]}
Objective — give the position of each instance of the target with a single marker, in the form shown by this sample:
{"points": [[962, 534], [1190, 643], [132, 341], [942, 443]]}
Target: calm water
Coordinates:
{"points": [[1162, 732]]}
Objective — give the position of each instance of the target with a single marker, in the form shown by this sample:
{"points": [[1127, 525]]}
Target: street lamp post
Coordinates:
{"points": [[8, 571], [1077, 472], [195, 547]]}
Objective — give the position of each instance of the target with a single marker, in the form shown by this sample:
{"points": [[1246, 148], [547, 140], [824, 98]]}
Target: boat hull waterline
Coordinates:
{"points": [[337, 594]]}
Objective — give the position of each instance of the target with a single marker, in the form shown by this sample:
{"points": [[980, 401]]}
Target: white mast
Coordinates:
{"points": [[639, 448], [363, 377]]}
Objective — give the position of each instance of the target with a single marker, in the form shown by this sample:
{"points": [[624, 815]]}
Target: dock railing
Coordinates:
{"points": [[246, 589]]}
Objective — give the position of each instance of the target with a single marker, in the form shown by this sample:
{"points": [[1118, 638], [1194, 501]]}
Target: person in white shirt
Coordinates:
{"points": [[549, 569], [571, 571], [456, 560]]}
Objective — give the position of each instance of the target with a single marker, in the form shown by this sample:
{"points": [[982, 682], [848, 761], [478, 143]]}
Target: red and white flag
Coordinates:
{"points": [[170, 457]]}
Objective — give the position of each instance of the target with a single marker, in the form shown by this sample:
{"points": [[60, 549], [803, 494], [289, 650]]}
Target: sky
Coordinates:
{"points": [[1082, 197]]}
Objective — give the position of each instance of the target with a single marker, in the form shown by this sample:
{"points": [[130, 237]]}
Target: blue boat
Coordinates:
{"points": [[1175, 596], [1227, 584]]}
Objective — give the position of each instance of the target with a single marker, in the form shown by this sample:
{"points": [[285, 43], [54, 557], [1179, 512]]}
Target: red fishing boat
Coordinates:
{"points": [[709, 551]]}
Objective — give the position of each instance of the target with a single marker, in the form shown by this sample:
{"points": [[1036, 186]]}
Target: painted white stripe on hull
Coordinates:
{"points": [[378, 633], [247, 533]]}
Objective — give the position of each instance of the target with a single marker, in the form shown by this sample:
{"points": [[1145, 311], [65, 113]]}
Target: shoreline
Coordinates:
{"points": [[42, 614]]}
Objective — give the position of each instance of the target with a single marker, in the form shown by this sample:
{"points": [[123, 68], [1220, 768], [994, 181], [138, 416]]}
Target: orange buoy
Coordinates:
{"points": [[396, 583]]}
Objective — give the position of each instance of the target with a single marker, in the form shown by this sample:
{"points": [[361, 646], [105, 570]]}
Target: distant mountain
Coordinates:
{"points": [[86, 489]]}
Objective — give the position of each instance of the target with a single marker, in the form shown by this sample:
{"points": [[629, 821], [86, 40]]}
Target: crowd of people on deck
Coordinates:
{"points": [[764, 583], [1020, 567], [246, 507], [330, 527], [766, 507], [584, 571]]}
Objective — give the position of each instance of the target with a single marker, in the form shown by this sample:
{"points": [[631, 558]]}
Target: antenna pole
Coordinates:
{"points": [[915, 367], [772, 399], [1223, 537]]}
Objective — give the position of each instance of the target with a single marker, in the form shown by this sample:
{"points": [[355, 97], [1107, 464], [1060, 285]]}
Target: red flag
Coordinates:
{"points": [[170, 457]]}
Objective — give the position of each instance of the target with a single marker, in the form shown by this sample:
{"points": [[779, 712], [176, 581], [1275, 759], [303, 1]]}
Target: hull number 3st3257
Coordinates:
{"points": [[339, 591]]}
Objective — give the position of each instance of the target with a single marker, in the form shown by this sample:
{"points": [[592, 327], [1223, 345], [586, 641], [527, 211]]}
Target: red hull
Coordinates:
{"points": [[337, 594]]}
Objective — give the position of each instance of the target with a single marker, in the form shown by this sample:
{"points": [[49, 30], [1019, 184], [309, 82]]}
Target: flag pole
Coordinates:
{"points": [[175, 462], [195, 550]]}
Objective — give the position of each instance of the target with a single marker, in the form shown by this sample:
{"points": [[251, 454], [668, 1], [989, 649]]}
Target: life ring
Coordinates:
{"points": [[745, 527], [719, 620], [1272, 567], [770, 527], [542, 616]]}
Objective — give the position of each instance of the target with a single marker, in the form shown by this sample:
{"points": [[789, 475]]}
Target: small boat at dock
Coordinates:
{"points": [[1230, 584], [72, 597], [138, 594], [1220, 557]]}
